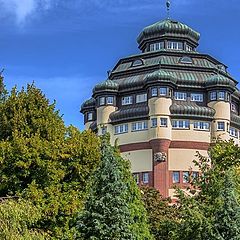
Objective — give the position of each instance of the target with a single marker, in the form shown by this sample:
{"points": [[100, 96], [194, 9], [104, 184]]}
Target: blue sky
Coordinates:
{"points": [[67, 46]]}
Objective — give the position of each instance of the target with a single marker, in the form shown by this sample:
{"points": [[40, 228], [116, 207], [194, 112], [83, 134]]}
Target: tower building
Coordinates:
{"points": [[164, 104]]}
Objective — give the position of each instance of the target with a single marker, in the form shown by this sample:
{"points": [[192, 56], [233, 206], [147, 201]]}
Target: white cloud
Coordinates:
{"points": [[22, 9]]}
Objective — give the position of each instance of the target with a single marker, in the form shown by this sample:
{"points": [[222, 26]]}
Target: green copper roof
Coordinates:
{"points": [[107, 85], [235, 119], [130, 113], [191, 109], [160, 76], [219, 80], [90, 103], [170, 28]]}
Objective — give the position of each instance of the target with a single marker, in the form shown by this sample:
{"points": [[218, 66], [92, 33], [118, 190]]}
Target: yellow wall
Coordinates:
{"points": [[103, 114], [141, 161], [182, 159], [159, 106]]}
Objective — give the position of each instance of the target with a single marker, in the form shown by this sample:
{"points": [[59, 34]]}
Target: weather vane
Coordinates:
{"points": [[168, 4]]}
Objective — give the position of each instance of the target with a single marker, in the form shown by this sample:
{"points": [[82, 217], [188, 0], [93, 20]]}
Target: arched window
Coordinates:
{"points": [[186, 59], [137, 62]]}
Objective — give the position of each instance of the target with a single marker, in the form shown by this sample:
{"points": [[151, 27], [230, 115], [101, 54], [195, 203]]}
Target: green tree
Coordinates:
{"points": [[162, 215], [43, 161], [18, 219], [113, 209], [227, 218], [213, 211]]}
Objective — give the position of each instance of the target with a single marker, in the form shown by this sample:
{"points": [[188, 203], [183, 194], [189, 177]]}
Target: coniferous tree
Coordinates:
{"points": [[113, 209], [227, 218]]}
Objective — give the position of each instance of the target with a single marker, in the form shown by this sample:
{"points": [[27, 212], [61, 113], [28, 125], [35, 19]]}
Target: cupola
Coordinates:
{"points": [[168, 34]]}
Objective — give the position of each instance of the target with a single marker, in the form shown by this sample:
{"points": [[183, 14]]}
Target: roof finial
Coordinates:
{"points": [[168, 4]]}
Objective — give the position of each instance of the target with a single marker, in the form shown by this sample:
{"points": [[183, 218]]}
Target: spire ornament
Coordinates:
{"points": [[168, 5]]}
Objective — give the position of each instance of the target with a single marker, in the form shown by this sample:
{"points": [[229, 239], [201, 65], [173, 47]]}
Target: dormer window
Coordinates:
{"points": [[189, 48], [180, 96], [127, 100], [138, 62], [186, 60], [156, 46], [141, 98], [109, 100], [101, 101], [175, 45]]}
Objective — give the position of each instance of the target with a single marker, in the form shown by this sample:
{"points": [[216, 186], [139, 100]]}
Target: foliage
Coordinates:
{"points": [[43, 161], [18, 220], [213, 213], [113, 209], [163, 216]]}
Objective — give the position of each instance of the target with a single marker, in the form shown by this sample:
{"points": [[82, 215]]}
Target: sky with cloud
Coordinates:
{"points": [[67, 46]]}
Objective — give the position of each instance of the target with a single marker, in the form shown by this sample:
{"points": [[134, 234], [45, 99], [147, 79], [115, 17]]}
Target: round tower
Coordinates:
{"points": [[105, 94], [220, 89]]}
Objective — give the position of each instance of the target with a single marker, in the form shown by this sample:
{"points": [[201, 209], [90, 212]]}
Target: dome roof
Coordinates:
{"points": [[219, 80], [107, 85], [160, 76], [168, 27], [90, 103]]}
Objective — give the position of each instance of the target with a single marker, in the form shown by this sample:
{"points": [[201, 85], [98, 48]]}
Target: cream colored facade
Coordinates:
{"points": [[162, 106]]}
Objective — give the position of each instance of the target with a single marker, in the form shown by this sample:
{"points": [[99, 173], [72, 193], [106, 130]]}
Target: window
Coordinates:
{"points": [[213, 96], [233, 132], [186, 59], [156, 46], [163, 122], [104, 130], [201, 125], [138, 126], [136, 177], [154, 92], [185, 177], [145, 177], [127, 100], [196, 97], [90, 116], [234, 107], [141, 98], [176, 177], [189, 48], [195, 175], [175, 45], [182, 124], [221, 95], [163, 91], [109, 100], [137, 62], [180, 96], [154, 122], [102, 101], [221, 126], [121, 128]]}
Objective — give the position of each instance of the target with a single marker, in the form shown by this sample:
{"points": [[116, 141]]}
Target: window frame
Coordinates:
{"points": [[213, 96], [178, 177], [162, 122], [122, 128], [152, 121], [127, 100], [144, 180], [178, 125], [107, 100], [139, 126], [90, 114], [201, 125], [184, 177], [178, 94], [218, 126], [233, 132], [165, 91], [101, 101], [223, 97], [155, 92], [144, 95], [194, 97]]}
